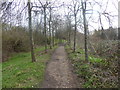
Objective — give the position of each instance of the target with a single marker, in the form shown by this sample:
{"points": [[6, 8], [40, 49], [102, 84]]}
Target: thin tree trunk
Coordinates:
{"points": [[53, 36], [85, 32], [30, 31], [74, 48], [69, 36], [50, 30], [45, 29]]}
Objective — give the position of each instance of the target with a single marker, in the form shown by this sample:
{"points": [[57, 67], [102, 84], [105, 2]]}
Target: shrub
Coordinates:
{"points": [[14, 40]]}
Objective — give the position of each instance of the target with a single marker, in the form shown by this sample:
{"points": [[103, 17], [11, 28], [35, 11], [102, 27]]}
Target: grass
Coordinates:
{"points": [[41, 48], [20, 72], [95, 60]]}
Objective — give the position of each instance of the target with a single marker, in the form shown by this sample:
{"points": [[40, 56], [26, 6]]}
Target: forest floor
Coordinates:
{"points": [[59, 71]]}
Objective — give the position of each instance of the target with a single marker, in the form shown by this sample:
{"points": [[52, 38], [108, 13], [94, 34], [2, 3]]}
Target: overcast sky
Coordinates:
{"points": [[111, 7]]}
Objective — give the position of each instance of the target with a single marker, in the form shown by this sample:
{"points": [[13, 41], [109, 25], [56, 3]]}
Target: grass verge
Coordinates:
{"points": [[20, 72]]}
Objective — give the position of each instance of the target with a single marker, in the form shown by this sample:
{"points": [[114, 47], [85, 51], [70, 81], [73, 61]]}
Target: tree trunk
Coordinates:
{"points": [[74, 48], [30, 31], [85, 31], [69, 35], [50, 29], [53, 36], [45, 29]]}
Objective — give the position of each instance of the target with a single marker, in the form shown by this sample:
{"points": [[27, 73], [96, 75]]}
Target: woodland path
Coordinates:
{"points": [[58, 72]]}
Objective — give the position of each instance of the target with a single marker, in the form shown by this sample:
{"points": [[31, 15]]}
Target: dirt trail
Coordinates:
{"points": [[58, 71]]}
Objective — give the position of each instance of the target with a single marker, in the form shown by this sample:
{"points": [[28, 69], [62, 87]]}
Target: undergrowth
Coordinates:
{"points": [[97, 72]]}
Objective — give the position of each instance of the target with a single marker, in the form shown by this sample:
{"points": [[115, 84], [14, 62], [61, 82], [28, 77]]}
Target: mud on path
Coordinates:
{"points": [[58, 72]]}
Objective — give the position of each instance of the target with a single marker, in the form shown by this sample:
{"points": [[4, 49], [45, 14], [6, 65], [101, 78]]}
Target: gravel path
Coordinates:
{"points": [[58, 71]]}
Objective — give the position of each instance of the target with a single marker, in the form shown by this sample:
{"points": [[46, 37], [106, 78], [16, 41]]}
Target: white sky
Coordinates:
{"points": [[112, 9]]}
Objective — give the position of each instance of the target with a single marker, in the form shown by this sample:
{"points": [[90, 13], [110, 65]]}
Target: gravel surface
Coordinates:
{"points": [[58, 72]]}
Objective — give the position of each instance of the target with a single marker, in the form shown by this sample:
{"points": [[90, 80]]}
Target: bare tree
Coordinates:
{"points": [[76, 8], [50, 27], [85, 29], [68, 29], [30, 31], [44, 7]]}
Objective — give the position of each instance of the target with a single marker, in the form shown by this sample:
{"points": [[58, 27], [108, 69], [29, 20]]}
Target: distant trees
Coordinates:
{"points": [[48, 24], [68, 22], [44, 10], [55, 24], [69, 28], [107, 34]]}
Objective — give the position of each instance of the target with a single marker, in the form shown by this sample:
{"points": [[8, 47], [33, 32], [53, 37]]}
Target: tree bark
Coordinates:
{"points": [[70, 33], [30, 31], [45, 28], [50, 29], [74, 48], [53, 35], [85, 31]]}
